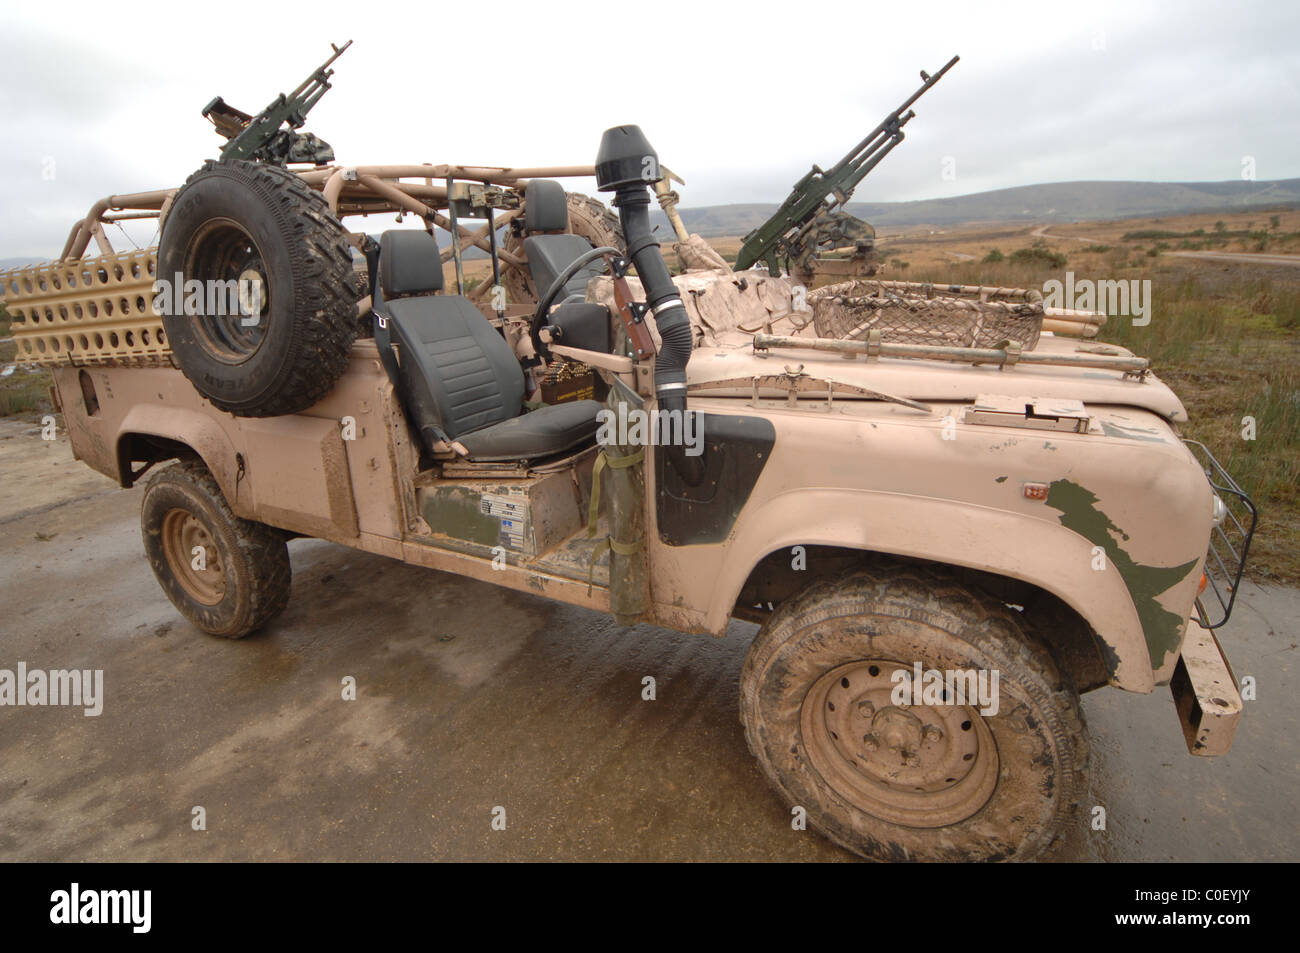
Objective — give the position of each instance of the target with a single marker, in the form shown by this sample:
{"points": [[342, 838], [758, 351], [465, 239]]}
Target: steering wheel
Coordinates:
{"points": [[544, 305]]}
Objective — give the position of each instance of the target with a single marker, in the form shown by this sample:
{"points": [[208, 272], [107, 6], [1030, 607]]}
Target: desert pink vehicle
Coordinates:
{"points": [[909, 519]]}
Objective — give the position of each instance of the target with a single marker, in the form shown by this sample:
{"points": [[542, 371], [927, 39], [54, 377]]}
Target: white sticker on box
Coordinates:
{"points": [[513, 514], [503, 506]]}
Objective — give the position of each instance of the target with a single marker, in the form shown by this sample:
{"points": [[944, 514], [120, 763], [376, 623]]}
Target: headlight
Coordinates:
{"points": [[1220, 510]]}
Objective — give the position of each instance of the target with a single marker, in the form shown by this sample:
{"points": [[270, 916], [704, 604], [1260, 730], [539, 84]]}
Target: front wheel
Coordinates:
{"points": [[227, 575], [984, 757]]}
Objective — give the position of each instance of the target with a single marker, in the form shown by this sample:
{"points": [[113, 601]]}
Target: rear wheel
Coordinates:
{"points": [[227, 575], [893, 775], [275, 315]]}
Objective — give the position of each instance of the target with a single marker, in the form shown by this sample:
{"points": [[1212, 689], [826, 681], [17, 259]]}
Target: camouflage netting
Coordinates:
{"points": [[696, 254], [850, 309], [928, 289], [725, 308]]}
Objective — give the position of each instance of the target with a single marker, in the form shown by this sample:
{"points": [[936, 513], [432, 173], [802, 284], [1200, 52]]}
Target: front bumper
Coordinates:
{"points": [[1205, 694]]}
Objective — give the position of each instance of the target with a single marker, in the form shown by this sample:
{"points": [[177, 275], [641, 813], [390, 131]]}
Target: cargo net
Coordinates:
{"points": [[90, 311], [916, 313]]}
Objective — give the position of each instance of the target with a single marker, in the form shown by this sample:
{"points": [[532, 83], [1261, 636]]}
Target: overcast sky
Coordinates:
{"points": [[738, 98]]}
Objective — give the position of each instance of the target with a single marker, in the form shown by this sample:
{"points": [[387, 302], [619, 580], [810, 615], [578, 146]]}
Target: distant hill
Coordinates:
{"points": [[1057, 201], [1053, 202]]}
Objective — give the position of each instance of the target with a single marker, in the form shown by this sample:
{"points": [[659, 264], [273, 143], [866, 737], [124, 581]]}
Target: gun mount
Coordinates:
{"points": [[812, 217], [264, 137]]}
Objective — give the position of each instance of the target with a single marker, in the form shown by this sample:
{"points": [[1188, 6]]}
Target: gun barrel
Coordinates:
{"points": [[313, 97], [896, 116], [886, 135], [322, 72], [819, 193], [260, 136]]}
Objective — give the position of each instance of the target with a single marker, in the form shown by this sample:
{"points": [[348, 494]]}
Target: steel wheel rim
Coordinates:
{"points": [[223, 251], [931, 765], [181, 533]]}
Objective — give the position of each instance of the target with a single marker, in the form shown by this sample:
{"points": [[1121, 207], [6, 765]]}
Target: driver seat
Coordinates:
{"points": [[549, 246], [454, 373]]}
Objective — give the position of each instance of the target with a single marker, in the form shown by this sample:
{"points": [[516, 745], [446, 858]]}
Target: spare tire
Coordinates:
{"points": [[249, 226]]}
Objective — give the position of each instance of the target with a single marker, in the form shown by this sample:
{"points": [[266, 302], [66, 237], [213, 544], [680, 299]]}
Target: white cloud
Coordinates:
{"points": [[738, 99]]}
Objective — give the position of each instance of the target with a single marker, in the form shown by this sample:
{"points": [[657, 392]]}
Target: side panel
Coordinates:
{"points": [[1119, 535], [331, 472], [297, 471]]}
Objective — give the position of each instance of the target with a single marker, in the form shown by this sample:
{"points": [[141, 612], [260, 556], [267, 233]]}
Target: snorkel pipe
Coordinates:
{"points": [[628, 166]]}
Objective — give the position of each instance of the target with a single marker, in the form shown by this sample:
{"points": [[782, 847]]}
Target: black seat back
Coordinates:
{"points": [[546, 209], [453, 371]]}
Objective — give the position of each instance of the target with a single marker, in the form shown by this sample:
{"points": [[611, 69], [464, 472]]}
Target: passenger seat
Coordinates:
{"points": [[549, 246]]}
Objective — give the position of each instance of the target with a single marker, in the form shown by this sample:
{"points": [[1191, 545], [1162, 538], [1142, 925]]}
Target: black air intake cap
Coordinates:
{"points": [[625, 158]]}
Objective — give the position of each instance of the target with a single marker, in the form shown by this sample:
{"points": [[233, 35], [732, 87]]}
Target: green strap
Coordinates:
{"points": [[609, 543], [603, 460]]}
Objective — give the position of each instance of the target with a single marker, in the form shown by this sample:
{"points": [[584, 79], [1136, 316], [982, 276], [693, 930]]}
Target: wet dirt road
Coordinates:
{"points": [[471, 698]]}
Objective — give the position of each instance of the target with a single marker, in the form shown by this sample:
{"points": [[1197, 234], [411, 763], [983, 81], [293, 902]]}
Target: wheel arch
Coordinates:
{"points": [[1000, 547], [150, 435]]}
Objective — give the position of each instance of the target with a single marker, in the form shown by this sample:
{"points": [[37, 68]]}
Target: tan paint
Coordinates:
{"points": [[94, 311], [895, 487], [898, 487], [297, 471], [1205, 695]]}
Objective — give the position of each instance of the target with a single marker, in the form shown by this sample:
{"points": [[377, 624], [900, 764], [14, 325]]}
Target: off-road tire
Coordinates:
{"points": [[905, 614], [588, 217], [311, 288], [595, 221], [251, 559]]}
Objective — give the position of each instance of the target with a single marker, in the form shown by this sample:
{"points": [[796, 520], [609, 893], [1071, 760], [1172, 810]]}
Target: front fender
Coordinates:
{"points": [[1034, 550]]}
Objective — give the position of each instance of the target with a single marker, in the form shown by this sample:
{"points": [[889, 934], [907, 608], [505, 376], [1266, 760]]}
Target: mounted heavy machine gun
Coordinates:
{"points": [[812, 217], [263, 137]]}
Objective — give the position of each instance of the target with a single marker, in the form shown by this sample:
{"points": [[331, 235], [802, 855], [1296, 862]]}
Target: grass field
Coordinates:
{"points": [[23, 390]]}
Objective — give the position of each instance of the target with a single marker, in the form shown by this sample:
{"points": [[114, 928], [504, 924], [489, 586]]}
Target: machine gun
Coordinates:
{"points": [[262, 137], [812, 217]]}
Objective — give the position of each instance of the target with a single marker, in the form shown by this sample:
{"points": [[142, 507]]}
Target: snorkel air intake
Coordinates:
{"points": [[627, 166]]}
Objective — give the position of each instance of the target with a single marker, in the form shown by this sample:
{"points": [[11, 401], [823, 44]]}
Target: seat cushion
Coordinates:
{"points": [[548, 255], [542, 433], [456, 372]]}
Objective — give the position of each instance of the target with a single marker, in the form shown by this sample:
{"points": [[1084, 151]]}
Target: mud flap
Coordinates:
{"points": [[1205, 694]]}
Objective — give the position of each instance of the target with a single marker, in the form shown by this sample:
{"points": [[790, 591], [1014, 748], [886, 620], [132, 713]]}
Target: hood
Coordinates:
{"points": [[926, 380]]}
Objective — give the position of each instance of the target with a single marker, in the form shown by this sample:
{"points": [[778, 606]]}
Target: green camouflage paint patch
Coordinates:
{"points": [[1151, 435], [456, 512], [1079, 512]]}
